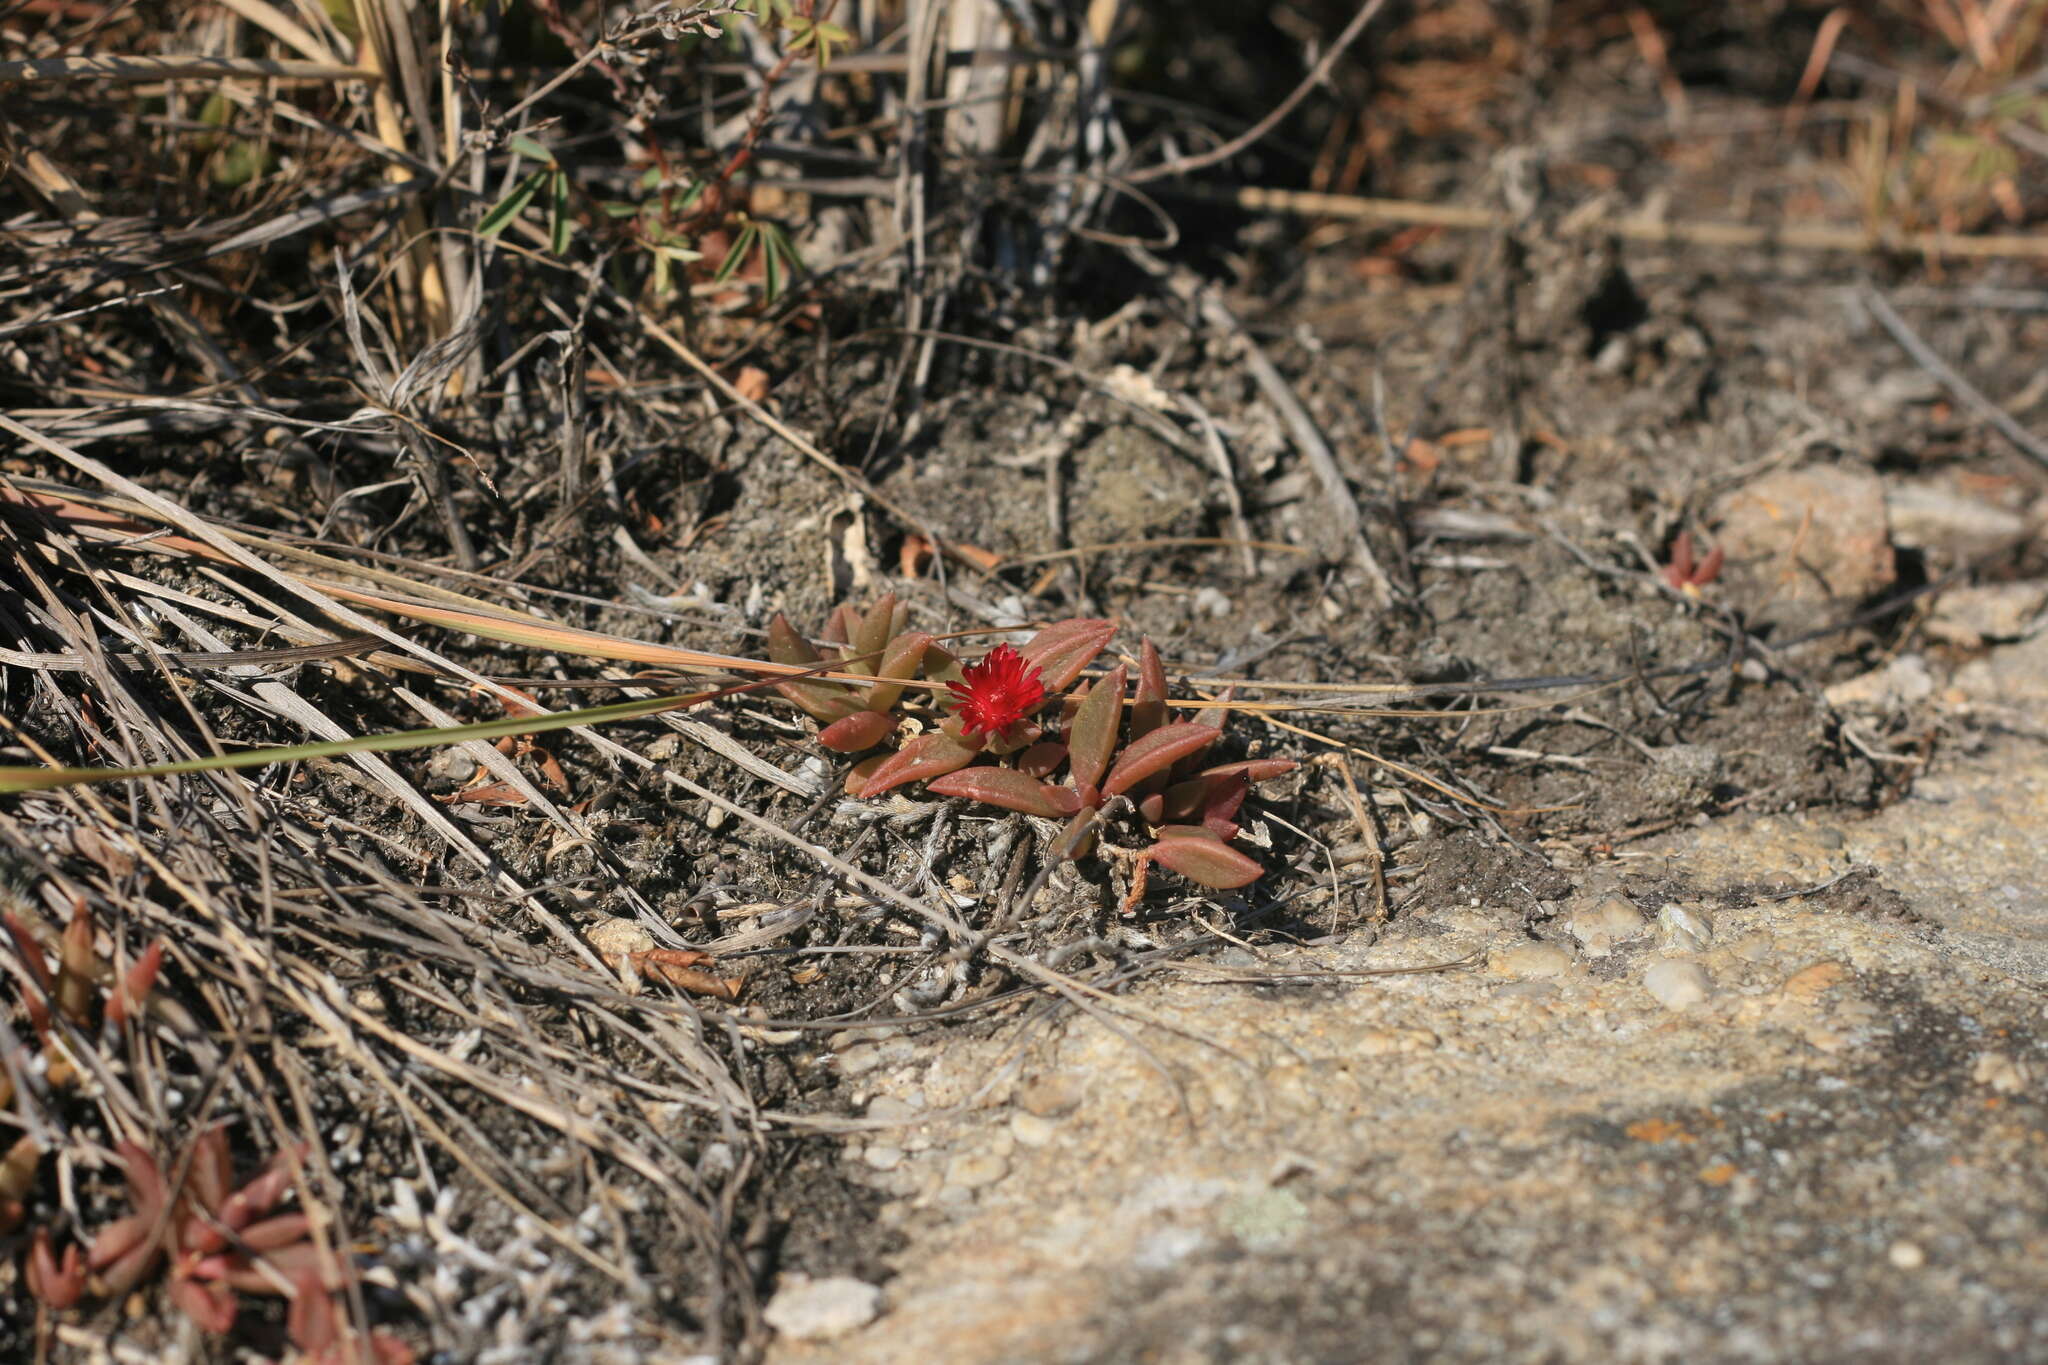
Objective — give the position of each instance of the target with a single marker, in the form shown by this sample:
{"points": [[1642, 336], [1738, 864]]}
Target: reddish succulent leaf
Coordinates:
{"points": [[785, 646], [1064, 648], [1040, 759], [1091, 741], [859, 731], [1148, 707], [942, 666], [857, 781], [135, 986], [1153, 808], [1077, 840], [58, 1283], [1219, 807], [924, 758], [1180, 803], [75, 963], [1215, 716], [826, 702], [900, 660], [310, 1324], [1157, 752], [841, 624], [1206, 860], [212, 1306], [1008, 788], [871, 636]]}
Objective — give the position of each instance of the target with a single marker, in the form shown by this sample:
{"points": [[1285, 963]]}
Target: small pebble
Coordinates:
{"points": [[882, 1156], [1382, 1042], [975, 1170], [617, 937], [889, 1109], [1601, 925], [1677, 985], [1530, 961], [1033, 1131], [1686, 926], [1906, 1255], [805, 1309], [2005, 1075], [1050, 1097]]}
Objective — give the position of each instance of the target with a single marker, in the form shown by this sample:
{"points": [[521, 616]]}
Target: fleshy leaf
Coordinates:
{"points": [[921, 760], [857, 781], [859, 731], [1148, 707], [1206, 860], [1008, 788], [1157, 752], [785, 646], [1064, 648], [871, 636], [841, 624], [899, 660], [1077, 840], [1040, 759], [826, 702], [1091, 742]]}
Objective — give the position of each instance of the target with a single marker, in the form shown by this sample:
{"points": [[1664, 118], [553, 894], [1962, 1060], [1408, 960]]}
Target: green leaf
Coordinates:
{"points": [[530, 149], [561, 225], [512, 205], [734, 258]]}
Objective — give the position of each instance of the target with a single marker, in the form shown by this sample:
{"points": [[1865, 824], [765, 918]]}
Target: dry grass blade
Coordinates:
{"points": [[68, 70]]}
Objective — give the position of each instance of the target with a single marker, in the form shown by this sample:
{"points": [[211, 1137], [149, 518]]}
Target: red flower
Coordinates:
{"points": [[998, 692]]}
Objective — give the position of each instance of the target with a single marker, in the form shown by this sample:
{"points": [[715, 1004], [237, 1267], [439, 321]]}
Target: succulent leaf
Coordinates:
{"points": [[920, 760], [1091, 741], [1064, 648], [1008, 788], [1157, 752], [1206, 860]]}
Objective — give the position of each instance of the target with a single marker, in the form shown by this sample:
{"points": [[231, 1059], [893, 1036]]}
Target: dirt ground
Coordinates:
{"points": [[1534, 425]]}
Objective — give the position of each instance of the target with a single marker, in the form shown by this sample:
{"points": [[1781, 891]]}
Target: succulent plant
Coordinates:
{"points": [[76, 992], [994, 748]]}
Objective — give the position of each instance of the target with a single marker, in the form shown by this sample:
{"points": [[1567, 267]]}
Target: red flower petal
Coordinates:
{"points": [[998, 692]]}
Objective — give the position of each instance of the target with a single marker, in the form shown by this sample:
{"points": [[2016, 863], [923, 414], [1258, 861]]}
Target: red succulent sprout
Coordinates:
{"points": [[997, 694], [1687, 575]]}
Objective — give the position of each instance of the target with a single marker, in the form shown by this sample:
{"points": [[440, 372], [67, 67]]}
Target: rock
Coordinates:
{"points": [[889, 1109], [1814, 535], [2004, 1073], [617, 937], [1682, 779], [1995, 611], [1896, 686], [883, 1156], [1906, 1255], [1676, 984], [1383, 1042], [1687, 926], [976, 1170], [1948, 526], [1032, 1131], [807, 1309], [2011, 675], [1530, 961], [1600, 925], [1051, 1097]]}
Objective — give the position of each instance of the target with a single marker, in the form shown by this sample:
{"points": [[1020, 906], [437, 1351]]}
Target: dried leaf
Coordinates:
{"points": [[673, 965], [1008, 788], [1091, 741], [1064, 648], [1157, 752], [859, 731], [1253, 769], [920, 760], [1206, 860]]}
